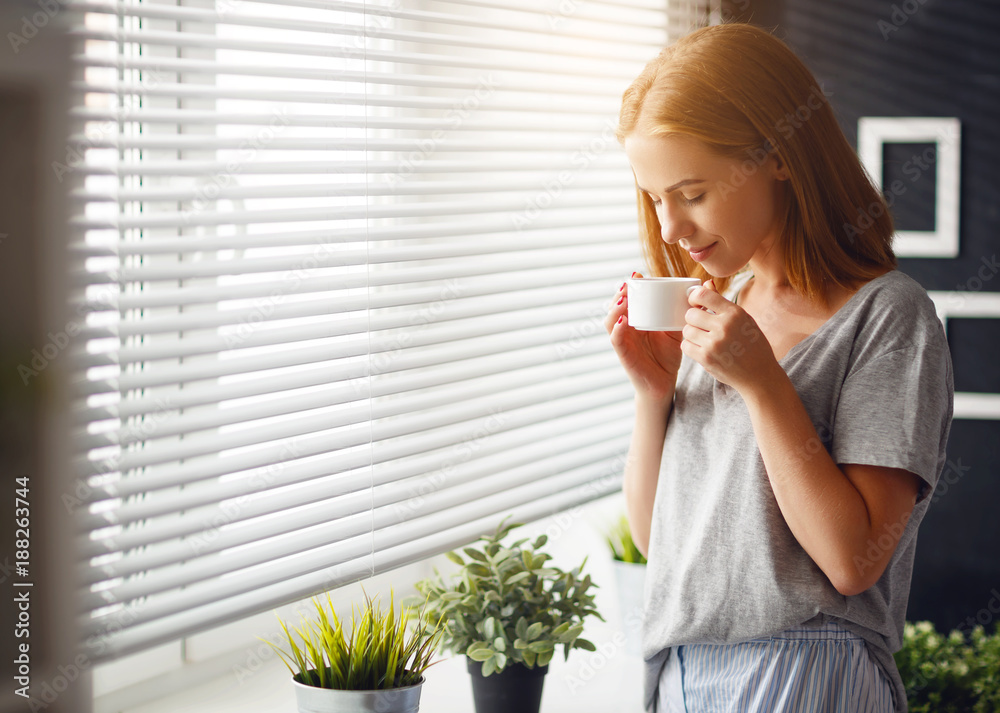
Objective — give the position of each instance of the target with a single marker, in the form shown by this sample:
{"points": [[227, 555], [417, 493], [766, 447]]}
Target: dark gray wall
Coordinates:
{"points": [[931, 58]]}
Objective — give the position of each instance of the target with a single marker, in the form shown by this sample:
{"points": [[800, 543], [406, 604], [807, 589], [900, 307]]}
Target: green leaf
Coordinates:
{"points": [[533, 631], [490, 627], [517, 577], [455, 557], [585, 645], [572, 633], [545, 572], [481, 652], [529, 659], [500, 661], [521, 628], [520, 644], [489, 666], [499, 645], [478, 570], [544, 658], [561, 629], [540, 647], [504, 529], [540, 542], [474, 554], [529, 561]]}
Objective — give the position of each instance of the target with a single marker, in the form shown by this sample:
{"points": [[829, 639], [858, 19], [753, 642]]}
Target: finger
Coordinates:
{"points": [[697, 317], [617, 332], [618, 309], [694, 335], [691, 350], [704, 297]]}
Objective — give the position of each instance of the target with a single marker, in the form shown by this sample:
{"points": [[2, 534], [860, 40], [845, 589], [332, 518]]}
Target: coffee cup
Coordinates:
{"points": [[658, 304]]}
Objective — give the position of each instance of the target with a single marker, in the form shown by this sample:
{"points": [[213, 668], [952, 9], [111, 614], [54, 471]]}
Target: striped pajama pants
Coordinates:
{"points": [[806, 669]]}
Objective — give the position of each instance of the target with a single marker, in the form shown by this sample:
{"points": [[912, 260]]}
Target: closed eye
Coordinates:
{"points": [[694, 201]]}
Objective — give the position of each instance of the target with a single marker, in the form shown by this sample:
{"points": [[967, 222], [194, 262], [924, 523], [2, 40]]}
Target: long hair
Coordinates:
{"points": [[745, 95]]}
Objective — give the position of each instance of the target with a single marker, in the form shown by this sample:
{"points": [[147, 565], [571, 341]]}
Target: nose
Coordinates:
{"points": [[674, 224]]}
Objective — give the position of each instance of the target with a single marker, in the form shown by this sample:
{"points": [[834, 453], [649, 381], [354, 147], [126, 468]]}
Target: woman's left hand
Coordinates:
{"points": [[728, 343]]}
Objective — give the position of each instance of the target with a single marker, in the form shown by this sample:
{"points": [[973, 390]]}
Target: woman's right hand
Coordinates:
{"points": [[651, 359]]}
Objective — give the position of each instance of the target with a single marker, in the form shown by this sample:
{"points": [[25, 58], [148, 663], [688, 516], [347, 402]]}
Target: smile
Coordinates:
{"points": [[699, 254]]}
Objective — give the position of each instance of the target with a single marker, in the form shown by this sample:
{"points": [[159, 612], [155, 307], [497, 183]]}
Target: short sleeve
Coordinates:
{"points": [[895, 410]]}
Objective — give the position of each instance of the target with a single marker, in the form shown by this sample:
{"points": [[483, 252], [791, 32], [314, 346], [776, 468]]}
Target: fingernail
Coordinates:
{"points": [[634, 274], [622, 287], [620, 319], [620, 300]]}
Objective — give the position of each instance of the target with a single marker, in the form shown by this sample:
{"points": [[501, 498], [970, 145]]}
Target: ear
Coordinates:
{"points": [[778, 168]]}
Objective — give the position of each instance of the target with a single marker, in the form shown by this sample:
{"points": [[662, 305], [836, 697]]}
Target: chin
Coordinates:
{"points": [[717, 270]]}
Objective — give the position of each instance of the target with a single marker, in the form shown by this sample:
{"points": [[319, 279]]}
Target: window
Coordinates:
{"points": [[345, 266]]}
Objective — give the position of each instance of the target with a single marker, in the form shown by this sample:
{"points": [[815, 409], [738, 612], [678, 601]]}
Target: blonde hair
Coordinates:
{"points": [[744, 94]]}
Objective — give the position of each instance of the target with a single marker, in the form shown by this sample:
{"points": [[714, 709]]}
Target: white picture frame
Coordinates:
{"points": [[970, 301], [946, 133]]}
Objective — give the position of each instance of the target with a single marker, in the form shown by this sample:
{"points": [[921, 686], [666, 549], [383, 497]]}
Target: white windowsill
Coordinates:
{"points": [[589, 682]]}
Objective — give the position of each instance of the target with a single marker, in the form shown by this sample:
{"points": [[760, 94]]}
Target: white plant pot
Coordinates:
{"points": [[630, 579], [324, 700]]}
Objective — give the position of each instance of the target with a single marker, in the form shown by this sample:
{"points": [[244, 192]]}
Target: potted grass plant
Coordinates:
{"points": [[507, 610], [630, 577], [376, 665]]}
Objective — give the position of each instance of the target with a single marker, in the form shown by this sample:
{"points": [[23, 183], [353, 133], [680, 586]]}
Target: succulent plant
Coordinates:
{"points": [[506, 605]]}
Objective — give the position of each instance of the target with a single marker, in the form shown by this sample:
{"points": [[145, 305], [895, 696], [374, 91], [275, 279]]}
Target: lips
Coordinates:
{"points": [[699, 254]]}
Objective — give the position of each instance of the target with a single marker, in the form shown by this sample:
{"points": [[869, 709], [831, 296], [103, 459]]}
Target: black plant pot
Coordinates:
{"points": [[516, 689]]}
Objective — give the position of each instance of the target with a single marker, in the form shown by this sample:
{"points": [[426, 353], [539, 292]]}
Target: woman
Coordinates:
{"points": [[787, 440]]}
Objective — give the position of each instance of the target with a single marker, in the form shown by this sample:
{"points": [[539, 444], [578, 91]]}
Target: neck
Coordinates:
{"points": [[768, 267]]}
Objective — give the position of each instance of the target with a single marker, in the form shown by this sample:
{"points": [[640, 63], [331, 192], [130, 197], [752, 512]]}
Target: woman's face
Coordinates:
{"points": [[724, 212]]}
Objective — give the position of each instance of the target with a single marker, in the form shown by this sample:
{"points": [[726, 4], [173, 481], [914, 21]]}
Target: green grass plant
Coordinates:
{"points": [[380, 649], [622, 545]]}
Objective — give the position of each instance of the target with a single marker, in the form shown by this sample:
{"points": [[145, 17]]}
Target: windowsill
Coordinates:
{"points": [[587, 682]]}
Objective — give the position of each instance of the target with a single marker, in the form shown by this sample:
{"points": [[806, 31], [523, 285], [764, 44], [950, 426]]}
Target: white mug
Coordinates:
{"points": [[658, 304]]}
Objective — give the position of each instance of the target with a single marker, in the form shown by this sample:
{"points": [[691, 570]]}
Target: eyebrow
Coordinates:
{"points": [[681, 184]]}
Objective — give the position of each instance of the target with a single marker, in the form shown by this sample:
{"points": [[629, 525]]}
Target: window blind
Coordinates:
{"points": [[344, 267]]}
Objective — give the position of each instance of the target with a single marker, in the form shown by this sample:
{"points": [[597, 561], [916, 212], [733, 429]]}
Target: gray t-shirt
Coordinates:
{"points": [[876, 380]]}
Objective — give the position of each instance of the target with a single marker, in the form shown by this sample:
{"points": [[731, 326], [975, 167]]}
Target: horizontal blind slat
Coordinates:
{"points": [[542, 229], [441, 209], [321, 190], [194, 117], [578, 87]]}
